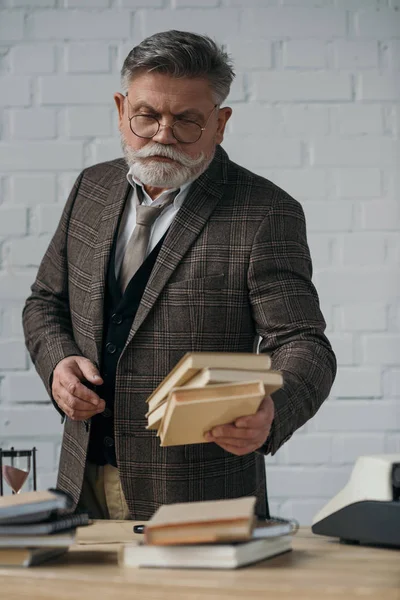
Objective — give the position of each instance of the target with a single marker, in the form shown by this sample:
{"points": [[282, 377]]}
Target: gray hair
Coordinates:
{"points": [[181, 54]]}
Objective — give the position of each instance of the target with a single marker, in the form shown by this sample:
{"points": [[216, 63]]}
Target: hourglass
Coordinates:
{"points": [[15, 466]]}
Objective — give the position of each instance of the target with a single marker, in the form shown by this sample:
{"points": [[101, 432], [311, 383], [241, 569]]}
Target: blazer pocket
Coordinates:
{"points": [[211, 282]]}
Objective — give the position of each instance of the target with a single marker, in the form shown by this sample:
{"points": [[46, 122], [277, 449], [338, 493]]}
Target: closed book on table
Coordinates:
{"points": [[192, 362], [62, 523], [63, 539], [202, 522], [28, 557], [191, 412], [32, 507], [204, 556]]}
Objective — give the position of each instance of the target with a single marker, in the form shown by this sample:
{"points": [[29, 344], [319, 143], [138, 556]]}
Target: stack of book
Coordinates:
{"points": [[219, 534], [36, 526], [206, 389]]}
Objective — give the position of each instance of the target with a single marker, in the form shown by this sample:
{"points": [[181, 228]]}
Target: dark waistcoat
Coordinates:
{"points": [[119, 312]]}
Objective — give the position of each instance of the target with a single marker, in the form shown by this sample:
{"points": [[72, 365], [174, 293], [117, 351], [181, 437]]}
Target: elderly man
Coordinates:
{"points": [[173, 249]]}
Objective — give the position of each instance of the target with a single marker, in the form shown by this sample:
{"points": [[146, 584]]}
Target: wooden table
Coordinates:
{"points": [[317, 569]]}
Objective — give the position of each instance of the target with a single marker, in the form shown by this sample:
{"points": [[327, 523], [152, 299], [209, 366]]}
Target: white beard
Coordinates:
{"points": [[164, 174]]}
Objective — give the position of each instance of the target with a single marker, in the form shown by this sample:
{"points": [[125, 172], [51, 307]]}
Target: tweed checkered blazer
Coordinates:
{"points": [[234, 268]]}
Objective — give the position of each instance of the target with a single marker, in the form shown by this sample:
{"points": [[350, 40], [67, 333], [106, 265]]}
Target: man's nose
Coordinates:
{"points": [[165, 135]]}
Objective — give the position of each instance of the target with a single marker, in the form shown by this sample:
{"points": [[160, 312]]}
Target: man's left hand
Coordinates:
{"points": [[246, 434]]}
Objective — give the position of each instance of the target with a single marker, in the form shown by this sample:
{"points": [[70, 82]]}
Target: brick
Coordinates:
{"points": [[302, 183], [366, 152], [303, 511], [349, 54], [311, 449], [15, 91], [304, 53], [11, 27], [103, 150], [378, 23], [34, 3], [237, 90], [379, 87], [34, 123], [13, 221], [361, 249], [343, 347], [12, 355], [250, 54], [392, 444], [253, 152], [293, 22], [195, 3], [394, 53], [77, 89], [30, 156], [358, 416], [300, 482], [89, 121], [46, 480], [252, 117], [297, 87], [220, 25], [358, 183], [88, 57], [358, 119], [82, 24], [307, 120], [12, 322], [28, 251], [362, 317], [26, 387], [357, 382], [306, 2], [382, 348], [19, 422], [380, 214], [87, 3], [33, 189], [328, 216], [141, 3], [49, 217], [321, 249], [391, 383], [33, 58], [15, 286], [347, 448], [350, 285], [355, 4]]}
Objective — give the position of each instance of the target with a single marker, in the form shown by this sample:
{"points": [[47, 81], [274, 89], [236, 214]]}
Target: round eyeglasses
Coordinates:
{"points": [[183, 130]]}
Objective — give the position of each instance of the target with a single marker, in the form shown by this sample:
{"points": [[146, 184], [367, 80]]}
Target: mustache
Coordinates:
{"points": [[167, 152]]}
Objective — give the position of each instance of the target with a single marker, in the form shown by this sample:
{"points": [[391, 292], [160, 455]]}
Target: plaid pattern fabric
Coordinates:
{"points": [[234, 267]]}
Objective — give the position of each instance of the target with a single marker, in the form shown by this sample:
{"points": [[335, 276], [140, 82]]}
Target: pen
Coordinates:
{"points": [[138, 529]]}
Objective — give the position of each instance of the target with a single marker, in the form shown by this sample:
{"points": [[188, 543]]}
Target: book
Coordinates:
{"points": [[191, 412], [28, 557], [32, 507], [192, 362], [201, 522], [205, 556], [272, 380], [63, 539], [53, 526]]}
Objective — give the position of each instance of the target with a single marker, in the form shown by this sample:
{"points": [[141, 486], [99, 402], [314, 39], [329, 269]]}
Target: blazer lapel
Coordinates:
{"points": [[107, 230], [197, 208]]}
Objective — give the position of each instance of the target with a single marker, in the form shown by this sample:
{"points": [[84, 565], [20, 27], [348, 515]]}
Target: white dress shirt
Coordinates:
{"points": [[160, 225]]}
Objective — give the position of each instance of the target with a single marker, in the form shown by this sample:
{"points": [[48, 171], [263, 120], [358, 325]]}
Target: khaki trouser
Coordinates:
{"points": [[102, 496]]}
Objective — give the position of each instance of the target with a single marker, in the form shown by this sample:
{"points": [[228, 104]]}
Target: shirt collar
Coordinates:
{"points": [[178, 200]]}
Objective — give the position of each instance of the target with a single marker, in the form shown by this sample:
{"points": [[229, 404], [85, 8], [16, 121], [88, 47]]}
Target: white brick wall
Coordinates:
{"points": [[316, 109]]}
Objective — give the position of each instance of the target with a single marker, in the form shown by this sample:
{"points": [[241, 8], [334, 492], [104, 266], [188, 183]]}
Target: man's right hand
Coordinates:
{"points": [[74, 398]]}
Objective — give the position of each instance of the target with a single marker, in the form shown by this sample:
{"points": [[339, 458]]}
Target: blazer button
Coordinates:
{"points": [[116, 318], [111, 348], [106, 413], [108, 441]]}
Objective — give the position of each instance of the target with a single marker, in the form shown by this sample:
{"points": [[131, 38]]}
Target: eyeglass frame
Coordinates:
{"points": [[171, 126]]}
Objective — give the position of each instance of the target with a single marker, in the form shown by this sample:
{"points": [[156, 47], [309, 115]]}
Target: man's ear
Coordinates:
{"points": [[119, 100], [223, 117]]}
